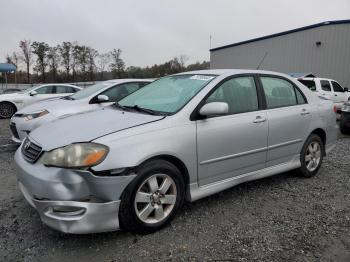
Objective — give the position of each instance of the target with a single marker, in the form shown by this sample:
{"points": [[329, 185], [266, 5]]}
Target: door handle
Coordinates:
{"points": [[259, 119], [304, 112], [335, 95]]}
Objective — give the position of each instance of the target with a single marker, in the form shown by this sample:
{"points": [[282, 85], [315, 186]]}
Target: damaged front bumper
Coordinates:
{"points": [[71, 201]]}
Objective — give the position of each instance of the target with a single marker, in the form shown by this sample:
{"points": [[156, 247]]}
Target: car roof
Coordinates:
{"points": [[126, 80], [59, 84], [223, 72]]}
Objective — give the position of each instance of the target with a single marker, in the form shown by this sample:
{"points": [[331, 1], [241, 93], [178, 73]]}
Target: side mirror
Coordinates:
{"points": [[102, 99], [33, 93], [214, 109], [346, 89]]}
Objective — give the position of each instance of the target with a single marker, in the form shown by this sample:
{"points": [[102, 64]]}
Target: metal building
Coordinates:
{"points": [[323, 49]]}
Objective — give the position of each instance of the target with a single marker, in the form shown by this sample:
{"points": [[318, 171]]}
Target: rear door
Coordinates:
{"points": [[338, 91], [288, 116], [235, 143]]}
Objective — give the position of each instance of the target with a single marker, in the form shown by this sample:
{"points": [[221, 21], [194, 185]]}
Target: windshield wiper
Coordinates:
{"points": [[139, 109], [68, 98]]}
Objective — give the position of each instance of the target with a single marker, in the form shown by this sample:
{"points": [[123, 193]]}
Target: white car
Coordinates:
{"points": [[11, 103], [91, 98], [327, 88]]}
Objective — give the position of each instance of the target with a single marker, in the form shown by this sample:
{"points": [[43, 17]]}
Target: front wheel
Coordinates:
{"points": [[152, 199], [311, 156], [7, 110]]}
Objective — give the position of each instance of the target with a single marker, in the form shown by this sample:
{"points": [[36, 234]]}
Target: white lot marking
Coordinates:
{"points": [[8, 145]]}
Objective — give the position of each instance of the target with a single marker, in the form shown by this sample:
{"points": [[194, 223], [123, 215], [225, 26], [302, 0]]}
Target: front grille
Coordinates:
{"points": [[31, 151], [14, 130]]}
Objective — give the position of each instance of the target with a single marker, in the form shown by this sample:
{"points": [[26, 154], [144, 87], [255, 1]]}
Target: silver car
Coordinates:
{"points": [[11, 103], [90, 98], [182, 137]]}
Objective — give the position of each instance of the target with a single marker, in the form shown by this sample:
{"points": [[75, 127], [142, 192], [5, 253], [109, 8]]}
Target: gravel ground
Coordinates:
{"points": [[281, 218]]}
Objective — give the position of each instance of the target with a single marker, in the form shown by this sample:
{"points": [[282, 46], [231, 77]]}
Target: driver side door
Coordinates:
{"points": [[42, 93]]}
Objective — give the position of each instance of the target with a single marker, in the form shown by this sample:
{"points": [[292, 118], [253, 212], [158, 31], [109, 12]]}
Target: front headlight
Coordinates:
{"points": [[35, 114], [346, 107], [80, 155]]}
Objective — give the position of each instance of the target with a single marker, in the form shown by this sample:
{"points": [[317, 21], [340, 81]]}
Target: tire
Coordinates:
{"points": [[311, 156], [344, 125], [7, 110], [143, 214]]}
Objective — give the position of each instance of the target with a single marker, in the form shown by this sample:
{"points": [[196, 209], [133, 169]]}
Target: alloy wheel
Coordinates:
{"points": [[155, 198], [313, 156]]}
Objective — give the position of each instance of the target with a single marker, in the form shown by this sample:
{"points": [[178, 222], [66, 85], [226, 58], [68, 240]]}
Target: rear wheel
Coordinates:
{"points": [[311, 156], [7, 110], [152, 198]]}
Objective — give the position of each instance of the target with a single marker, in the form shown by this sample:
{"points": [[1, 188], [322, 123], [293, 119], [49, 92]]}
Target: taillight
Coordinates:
{"points": [[335, 110]]}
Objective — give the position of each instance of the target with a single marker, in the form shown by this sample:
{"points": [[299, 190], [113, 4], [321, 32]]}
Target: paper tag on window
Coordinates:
{"points": [[201, 77]]}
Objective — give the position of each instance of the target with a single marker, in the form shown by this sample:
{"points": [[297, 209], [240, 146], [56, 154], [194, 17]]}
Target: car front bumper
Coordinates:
{"points": [[71, 201], [21, 127]]}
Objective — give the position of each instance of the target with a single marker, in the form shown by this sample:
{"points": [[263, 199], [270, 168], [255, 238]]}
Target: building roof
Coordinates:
{"points": [[337, 22], [7, 68]]}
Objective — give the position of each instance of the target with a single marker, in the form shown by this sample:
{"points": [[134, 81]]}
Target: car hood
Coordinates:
{"points": [[87, 126], [10, 96], [56, 106]]}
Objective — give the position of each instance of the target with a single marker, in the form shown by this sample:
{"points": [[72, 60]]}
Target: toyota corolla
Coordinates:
{"points": [[182, 137]]}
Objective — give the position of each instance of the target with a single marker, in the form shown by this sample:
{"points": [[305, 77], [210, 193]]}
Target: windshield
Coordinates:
{"points": [[168, 94], [86, 92], [27, 90]]}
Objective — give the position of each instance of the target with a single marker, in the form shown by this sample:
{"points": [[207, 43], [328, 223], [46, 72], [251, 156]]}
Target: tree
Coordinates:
{"points": [[41, 49], [54, 60], [83, 60], [103, 60], [92, 54], [26, 49], [117, 66], [13, 59], [75, 57], [66, 54]]}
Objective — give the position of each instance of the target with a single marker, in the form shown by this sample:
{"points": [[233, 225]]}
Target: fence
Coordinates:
{"points": [[26, 86]]}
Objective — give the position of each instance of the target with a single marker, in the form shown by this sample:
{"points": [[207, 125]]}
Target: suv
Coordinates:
{"points": [[327, 88]]}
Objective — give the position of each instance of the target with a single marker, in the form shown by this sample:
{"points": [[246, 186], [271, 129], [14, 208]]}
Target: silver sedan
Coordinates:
{"points": [[182, 137]]}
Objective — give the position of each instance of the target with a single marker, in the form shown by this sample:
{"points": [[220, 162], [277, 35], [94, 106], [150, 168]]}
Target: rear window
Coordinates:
{"points": [[309, 84]]}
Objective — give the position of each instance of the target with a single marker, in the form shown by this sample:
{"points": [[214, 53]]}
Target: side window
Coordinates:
{"points": [[278, 92], [309, 83], [239, 93], [46, 90], [132, 87], [326, 86], [300, 98], [337, 87], [63, 89]]}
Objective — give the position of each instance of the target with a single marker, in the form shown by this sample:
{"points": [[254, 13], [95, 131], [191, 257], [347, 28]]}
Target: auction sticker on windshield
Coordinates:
{"points": [[201, 77]]}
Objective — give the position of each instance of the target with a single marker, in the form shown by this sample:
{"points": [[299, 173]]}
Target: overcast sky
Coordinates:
{"points": [[154, 31]]}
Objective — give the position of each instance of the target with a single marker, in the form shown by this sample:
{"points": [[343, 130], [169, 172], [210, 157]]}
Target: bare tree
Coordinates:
{"points": [[83, 58], [54, 60], [26, 48], [117, 66], [41, 49], [103, 62], [13, 59], [92, 54], [66, 54], [183, 60], [74, 60]]}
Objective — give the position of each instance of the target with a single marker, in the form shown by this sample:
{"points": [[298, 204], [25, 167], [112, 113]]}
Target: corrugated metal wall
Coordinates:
{"points": [[294, 52]]}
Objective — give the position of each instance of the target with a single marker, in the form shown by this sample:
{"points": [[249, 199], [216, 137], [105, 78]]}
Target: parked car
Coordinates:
{"points": [[345, 119], [329, 89], [11, 103], [90, 98], [184, 136], [10, 91]]}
